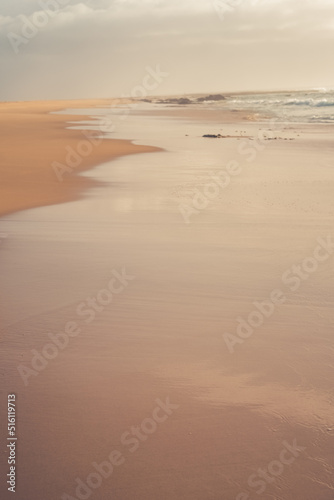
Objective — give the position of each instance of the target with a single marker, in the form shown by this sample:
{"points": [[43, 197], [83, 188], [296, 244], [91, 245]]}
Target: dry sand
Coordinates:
{"points": [[32, 139]]}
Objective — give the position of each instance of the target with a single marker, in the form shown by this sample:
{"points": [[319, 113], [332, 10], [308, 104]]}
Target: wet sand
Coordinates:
{"points": [[162, 335]]}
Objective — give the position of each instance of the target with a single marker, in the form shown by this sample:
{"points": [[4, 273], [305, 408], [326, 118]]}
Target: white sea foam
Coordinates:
{"points": [[291, 106]]}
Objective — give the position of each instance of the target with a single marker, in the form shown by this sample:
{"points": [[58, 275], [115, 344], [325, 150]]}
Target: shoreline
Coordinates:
{"points": [[29, 179], [34, 137]]}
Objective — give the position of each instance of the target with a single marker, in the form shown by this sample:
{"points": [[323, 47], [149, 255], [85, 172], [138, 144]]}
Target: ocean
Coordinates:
{"points": [[314, 106]]}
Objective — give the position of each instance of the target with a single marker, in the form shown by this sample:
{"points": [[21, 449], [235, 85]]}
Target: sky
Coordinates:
{"points": [[59, 49]]}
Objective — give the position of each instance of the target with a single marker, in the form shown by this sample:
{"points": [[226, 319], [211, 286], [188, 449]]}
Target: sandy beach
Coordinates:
{"points": [[34, 138], [166, 318]]}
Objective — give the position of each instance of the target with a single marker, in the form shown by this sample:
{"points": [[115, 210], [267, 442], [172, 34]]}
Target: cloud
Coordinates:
{"points": [[101, 47]]}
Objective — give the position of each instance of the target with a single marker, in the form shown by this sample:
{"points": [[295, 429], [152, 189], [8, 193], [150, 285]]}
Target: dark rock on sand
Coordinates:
{"points": [[213, 136], [216, 97]]}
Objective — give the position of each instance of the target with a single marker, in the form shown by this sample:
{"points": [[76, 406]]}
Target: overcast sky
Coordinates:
{"points": [[102, 48]]}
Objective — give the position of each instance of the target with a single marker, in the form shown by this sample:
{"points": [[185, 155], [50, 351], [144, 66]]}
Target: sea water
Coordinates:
{"points": [[315, 106]]}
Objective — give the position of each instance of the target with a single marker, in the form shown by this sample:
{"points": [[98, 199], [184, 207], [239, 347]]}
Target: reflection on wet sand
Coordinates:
{"points": [[162, 337]]}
